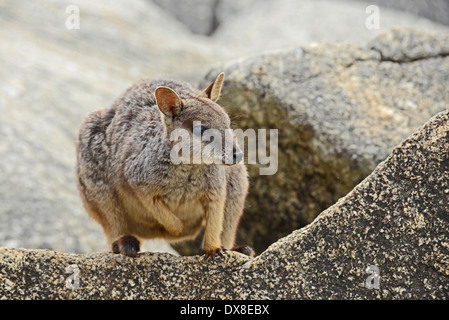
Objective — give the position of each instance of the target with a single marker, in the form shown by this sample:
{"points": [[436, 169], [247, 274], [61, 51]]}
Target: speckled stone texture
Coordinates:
{"points": [[396, 220], [340, 108]]}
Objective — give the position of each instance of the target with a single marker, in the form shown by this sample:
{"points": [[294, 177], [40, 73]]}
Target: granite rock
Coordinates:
{"points": [[435, 10], [386, 239], [52, 76], [198, 15], [252, 26]]}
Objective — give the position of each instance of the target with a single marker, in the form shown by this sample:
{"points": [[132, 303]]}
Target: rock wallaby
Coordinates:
{"points": [[132, 188]]}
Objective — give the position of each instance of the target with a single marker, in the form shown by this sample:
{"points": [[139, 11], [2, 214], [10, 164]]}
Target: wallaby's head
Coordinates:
{"points": [[199, 129]]}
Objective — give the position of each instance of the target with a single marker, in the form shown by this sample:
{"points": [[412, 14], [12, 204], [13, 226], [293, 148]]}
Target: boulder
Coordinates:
{"points": [[435, 10], [250, 27], [327, 17], [386, 239], [339, 109], [51, 77], [197, 15]]}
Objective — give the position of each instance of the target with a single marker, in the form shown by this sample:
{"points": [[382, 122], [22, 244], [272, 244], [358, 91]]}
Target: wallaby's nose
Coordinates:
{"points": [[237, 156]]}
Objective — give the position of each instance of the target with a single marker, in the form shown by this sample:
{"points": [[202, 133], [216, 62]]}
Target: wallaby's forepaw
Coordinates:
{"points": [[176, 228], [212, 253], [247, 250], [127, 245]]}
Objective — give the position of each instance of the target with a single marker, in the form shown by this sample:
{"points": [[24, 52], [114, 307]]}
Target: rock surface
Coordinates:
{"points": [[255, 26], [339, 109], [435, 10], [198, 15], [51, 77], [395, 222]]}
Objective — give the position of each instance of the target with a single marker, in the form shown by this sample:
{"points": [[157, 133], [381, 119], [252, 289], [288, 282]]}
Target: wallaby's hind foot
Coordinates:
{"points": [[246, 250], [127, 245]]}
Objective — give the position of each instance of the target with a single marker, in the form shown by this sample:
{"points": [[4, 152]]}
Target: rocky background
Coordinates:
{"points": [[342, 96]]}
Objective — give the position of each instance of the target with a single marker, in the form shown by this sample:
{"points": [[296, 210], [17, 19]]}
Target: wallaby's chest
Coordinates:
{"points": [[184, 185], [185, 188], [183, 193]]}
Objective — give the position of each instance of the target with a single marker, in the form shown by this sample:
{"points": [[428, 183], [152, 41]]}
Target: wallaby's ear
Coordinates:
{"points": [[168, 102], [213, 90]]}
